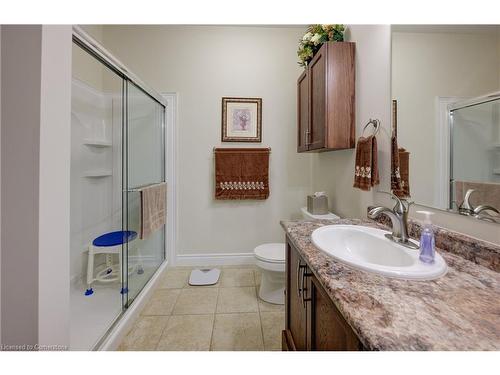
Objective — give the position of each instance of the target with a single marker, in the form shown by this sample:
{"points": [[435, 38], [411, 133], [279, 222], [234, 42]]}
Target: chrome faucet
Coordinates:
{"points": [[399, 219]]}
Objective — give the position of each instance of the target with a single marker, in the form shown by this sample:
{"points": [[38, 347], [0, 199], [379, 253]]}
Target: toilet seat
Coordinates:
{"points": [[270, 253]]}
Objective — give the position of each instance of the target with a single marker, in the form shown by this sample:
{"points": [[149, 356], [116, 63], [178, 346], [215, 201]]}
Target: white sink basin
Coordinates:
{"points": [[369, 250]]}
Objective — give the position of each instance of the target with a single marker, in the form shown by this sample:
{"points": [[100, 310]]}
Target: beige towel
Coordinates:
{"points": [[366, 168], [153, 208]]}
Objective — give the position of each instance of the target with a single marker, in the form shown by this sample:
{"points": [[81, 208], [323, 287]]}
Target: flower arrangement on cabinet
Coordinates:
{"points": [[314, 38]]}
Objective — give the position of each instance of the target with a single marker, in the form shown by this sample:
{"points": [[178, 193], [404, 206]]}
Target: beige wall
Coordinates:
{"points": [[197, 63], [36, 72], [21, 74], [332, 171], [54, 186], [95, 31], [0, 185], [203, 64], [90, 72], [427, 65]]}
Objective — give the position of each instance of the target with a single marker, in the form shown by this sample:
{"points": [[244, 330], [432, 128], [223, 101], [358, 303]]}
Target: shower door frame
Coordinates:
{"points": [[126, 189], [95, 49]]}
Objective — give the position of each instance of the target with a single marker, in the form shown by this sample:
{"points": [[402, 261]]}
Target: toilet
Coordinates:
{"points": [[270, 258]]}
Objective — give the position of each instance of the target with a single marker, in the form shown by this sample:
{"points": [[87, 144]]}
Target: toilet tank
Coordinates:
{"points": [[308, 216]]}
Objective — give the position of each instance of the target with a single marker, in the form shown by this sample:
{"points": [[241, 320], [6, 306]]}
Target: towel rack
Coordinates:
{"points": [[376, 125], [239, 149], [140, 188]]}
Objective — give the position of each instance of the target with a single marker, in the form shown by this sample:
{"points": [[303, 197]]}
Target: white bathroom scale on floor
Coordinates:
{"points": [[205, 276]]}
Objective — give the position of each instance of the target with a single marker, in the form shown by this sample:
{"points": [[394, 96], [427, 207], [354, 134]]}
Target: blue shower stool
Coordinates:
{"points": [[109, 244]]}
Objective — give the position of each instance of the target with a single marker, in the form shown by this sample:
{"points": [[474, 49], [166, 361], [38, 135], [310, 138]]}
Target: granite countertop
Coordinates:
{"points": [[459, 311]]}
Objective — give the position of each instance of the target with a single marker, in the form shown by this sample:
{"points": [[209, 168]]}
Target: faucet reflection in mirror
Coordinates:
{"points": [[482, 212]]}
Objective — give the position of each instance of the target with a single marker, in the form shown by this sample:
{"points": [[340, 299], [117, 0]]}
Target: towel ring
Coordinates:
{"points": [[376, 125]]}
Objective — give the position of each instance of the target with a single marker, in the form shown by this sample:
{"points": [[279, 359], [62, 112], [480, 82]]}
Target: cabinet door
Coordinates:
{"points": [[341, 96], [317, 93], [294, 309], [303, 112], [328, 328]]}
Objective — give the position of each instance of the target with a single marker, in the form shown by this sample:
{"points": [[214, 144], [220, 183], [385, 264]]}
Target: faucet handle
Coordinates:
{"points": [[402, 205]]}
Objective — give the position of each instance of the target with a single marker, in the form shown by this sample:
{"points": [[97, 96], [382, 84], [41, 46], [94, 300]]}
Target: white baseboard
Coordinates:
{"points": [[128, 318], [214, 259]]}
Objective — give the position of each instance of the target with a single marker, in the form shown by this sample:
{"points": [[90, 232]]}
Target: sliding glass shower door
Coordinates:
{"points": [[144, 165], [117, 148]]}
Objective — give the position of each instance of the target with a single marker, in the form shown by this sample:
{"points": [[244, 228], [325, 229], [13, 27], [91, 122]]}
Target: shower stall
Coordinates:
{"points": [[117, 148]]}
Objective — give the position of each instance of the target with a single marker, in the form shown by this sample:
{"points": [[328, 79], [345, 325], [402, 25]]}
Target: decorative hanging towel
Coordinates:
{"points": [[153, 208], [404, 170], [366, 168], [241, 173]]}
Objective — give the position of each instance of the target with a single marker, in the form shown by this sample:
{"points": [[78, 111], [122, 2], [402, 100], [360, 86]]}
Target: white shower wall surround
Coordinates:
{"points": [[95, 170]]}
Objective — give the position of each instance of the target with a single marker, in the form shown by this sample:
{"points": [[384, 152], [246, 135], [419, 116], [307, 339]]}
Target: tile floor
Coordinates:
{"points": [[225, 316]]}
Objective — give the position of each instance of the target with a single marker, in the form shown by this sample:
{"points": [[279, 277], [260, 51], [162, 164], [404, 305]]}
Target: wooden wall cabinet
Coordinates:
{"points": [[326, 99], [312, 320]]}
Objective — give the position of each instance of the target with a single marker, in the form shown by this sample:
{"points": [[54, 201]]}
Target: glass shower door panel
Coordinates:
{"points": [[96, 198], [145, 165]]}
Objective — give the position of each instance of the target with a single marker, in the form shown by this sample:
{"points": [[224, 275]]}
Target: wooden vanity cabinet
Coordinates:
{"points": [[326, 99], [312, 322]]}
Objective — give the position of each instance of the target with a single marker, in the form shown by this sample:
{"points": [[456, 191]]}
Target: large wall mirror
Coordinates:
{"points": [[446, 116]]}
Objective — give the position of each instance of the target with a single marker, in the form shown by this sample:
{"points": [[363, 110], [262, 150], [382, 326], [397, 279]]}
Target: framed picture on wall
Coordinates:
{"points": [[241, 120]]}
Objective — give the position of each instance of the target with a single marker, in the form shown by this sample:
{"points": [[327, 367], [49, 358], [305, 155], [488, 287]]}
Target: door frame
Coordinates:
{"points": [[171, 99]]}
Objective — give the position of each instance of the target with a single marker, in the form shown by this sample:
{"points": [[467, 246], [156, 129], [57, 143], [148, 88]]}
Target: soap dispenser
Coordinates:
{"points": [[427, 243]]}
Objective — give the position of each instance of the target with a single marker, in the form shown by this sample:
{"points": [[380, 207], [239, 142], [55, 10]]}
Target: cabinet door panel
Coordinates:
{"points": [[303, 112], [295, 311], [287, 344], [317, 90], [329, 330], [341, 99]]}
